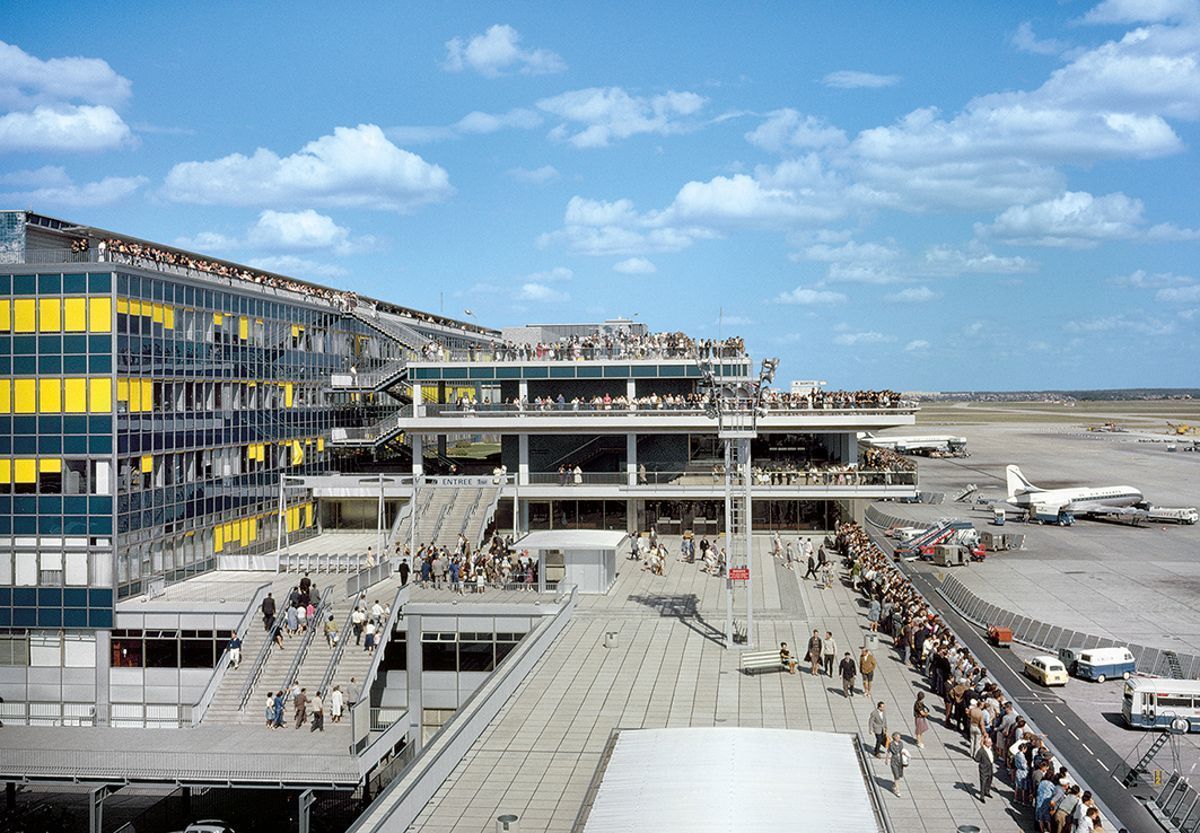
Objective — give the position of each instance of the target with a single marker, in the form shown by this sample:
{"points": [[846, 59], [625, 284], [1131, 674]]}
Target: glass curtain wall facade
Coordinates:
{"points": [[146, 421]]}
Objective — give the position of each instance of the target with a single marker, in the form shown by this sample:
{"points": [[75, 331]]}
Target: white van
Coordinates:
{"points": [[1098, 664]]}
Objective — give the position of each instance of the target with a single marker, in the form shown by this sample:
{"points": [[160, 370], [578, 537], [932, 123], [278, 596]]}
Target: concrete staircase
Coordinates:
{"points": [[224, 707], [443, 513]]}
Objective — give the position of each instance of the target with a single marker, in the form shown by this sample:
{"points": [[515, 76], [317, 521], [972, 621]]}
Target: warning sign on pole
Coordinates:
{"points": [[739, 573]]}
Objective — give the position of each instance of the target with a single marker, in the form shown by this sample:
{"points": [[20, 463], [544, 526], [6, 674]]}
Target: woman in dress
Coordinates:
{"points": [[270, 710], [897, 753], [920, 719], [336, 702], [293, 619]]}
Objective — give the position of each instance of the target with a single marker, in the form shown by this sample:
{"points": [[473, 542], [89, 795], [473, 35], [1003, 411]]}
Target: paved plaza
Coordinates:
{"points": [[669, 669]]}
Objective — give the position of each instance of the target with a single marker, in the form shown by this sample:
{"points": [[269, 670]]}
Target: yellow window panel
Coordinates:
{"points": [[100, 315], [289, 394], [50, 465], [5, 314], [26, 470], [218, 539], [243, 328], [320, 443], [5, 396], [50, 396], [147, 463], [25, 394], [254, 529], [135, 396], [123, 306], [245, 531], [50, 315], [308, 514], [147, 394], [75, 315], [297, 453], [295, 331], [218, 318], [101, 395], [75, 396], [156, 313], [6, 471], [25, 315], [169, 318]]}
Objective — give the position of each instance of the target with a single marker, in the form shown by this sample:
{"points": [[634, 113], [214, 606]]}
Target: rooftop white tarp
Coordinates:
{"points": [[733, 780], [571, 539]]}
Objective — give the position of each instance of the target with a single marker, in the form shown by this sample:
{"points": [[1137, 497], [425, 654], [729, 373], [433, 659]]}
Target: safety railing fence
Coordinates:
{"points": [[1050, 638], [372, 433], [150, 715], [324, 608], [37, 713], [1179, 804], [399, 804], [214, 682], [368, 577], [764, 482], [324, 562], [499, 409], [360, 711]]}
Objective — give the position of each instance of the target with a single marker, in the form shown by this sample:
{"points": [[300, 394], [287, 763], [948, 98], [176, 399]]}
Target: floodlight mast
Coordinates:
{"points": [[736, 406]]}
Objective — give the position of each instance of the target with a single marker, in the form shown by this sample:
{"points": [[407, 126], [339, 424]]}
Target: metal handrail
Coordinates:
{"points": [[200, 707], [336, 658], [319, 615], [382, 636], [260, 661], [499, 409]]}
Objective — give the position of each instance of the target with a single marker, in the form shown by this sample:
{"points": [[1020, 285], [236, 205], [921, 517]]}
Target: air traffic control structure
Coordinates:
{"points": [[182, 435]]}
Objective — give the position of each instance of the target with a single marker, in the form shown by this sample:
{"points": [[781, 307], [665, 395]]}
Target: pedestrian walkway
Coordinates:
{"points": [[670, 669]]}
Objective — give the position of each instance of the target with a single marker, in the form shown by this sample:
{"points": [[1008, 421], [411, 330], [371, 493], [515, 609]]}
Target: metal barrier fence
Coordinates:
{"points": [[1179, 804], [1153, 661], [368, 577], [313, 562], [48, 714]]}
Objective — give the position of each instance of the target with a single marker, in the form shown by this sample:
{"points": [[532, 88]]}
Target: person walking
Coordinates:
{"points": [[268, 612], [277, 717], [920, 719], [404, 571], [877, 725], [866, 666], [301, 705], [828, 652], [235, 651], [812, 567], [270, 710], [369, 642], [331, 632], [318, 713], [899, 758], [336, 703], [357, 620], [987, 767], [849, 671], [814, 653]]}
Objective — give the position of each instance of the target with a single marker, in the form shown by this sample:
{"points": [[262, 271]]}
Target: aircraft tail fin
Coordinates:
{"points": [[1017, 482]]}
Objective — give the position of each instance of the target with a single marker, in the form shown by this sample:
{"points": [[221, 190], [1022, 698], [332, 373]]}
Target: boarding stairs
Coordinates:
{"points": [[964, 494], [943, 532], [1132, 776]]}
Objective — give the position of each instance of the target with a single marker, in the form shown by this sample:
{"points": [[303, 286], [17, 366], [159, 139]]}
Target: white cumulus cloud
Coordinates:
{"points": [[51, 185], [807, 296], [852, 79], [298, 267], [914, 295], [498, 52], [1078, 219], [635, 266], [596, 116], [26, 81], [786, 129], [536, 176], [916, 345], [64, 127], [855, 339], [352, 167]]}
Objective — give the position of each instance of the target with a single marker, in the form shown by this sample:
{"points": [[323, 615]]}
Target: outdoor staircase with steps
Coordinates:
{"points": [[225, 703], [442, 513]]}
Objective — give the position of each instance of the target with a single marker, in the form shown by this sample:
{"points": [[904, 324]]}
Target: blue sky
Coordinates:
{"points": [[879, 193]]}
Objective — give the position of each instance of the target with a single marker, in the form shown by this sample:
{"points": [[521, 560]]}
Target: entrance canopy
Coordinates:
{"points": [[586, 558], [734, 780], [571, 539]]}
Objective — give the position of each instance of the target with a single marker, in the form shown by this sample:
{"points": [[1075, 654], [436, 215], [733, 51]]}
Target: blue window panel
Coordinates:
{"points": [[24, 596], [100, 597], [5, 284], [694, 371], [75, 344], [75, 597], [6, 360], [670, 371], [5, 617], [567, 372], [75, 425], [594, 372], [24, 345], [99, 365], [508, 373], [50, 444], [99, 525], [24, 285], [75, 445], [100, 618], [75, 618], [74, 365], [535, 372], [50, 617], [23, 365], [74, 525], [49, 425], [5, 505], [100, 445], [100, 506], [24, 505], [50, 365], [50, 505], [644, 371], [49, 344], [99, 424], [99, 344], [617, 371], [6, 525], [454, 373], [423, 373], [481, 373], [74, 284], [24, 617], [5, 596], [75, 505], [49, 284], [50, 525], [49, 597], [100, 283]]}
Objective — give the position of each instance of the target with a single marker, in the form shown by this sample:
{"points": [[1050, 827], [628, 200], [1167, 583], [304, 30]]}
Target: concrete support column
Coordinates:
{"points": [[103, 658], [523, 390], [418, 455], [441, 442], [631, 389], [413, 675], [523, 459], [631, 521], [541, 584], [631, 461], [418, 398], [852, 446]]}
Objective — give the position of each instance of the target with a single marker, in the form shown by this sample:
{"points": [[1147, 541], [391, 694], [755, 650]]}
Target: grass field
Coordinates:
{"points": [[1142, 415]]}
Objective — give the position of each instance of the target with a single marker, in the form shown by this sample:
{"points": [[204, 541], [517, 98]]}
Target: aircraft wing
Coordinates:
{"points": [[1093, 508]]}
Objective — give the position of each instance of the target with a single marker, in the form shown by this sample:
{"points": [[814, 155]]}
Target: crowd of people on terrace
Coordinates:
{"points": [[998, 738], [620, 345], [466, 569], [817, 399], [695, 401]]}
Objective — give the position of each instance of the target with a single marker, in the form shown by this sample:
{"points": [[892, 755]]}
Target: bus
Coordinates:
{"points": [[1153, 702]]}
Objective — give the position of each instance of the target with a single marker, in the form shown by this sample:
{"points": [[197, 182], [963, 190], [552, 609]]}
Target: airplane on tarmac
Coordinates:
{"points": [[937, 443], [1081, 500]]}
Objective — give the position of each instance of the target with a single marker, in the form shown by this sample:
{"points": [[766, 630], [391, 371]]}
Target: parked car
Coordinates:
{"points": [[1046, 670], [1098, 664], [208, 826]]}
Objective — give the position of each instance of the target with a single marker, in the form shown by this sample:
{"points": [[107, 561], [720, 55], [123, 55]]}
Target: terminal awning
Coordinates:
{"points": [[733, 780], [571, 539]]}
